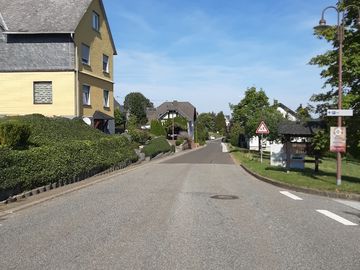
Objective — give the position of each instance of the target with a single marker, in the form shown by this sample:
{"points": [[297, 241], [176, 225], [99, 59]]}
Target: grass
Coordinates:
{"points": [[325, 179]]}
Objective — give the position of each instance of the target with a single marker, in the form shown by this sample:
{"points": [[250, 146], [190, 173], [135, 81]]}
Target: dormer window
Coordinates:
{"points": [[96, 21]]}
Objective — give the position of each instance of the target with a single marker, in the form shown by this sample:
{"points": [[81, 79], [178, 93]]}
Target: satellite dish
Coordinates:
{"points": [[87, 120]]}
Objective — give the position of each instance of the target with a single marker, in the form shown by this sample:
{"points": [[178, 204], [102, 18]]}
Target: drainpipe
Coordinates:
{"points": [[77, 95]]}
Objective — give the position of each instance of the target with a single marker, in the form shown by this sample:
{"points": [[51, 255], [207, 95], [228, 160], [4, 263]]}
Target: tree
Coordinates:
{"points": [[253, 109], [319, 145], [136, 103], [157, 128], [120, 119], [207, 120], [351, 74], [220, 124], [303, 113]]}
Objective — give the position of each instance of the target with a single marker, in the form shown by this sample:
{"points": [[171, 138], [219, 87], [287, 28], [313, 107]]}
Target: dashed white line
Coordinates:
{"points": [[290, 195], [337, 218]]}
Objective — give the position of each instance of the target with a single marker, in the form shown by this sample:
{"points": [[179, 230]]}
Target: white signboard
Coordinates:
{"points": [[339, 112]]}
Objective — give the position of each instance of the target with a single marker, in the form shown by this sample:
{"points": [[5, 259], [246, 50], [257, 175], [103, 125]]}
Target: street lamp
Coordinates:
{"points": [[340, 34]]}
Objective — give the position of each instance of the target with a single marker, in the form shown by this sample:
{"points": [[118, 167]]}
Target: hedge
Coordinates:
{"points": [[38, 166], [14, 133], [156, 146]]}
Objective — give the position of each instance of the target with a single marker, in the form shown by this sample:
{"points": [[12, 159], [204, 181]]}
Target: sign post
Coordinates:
{"points": [[262, 129]]}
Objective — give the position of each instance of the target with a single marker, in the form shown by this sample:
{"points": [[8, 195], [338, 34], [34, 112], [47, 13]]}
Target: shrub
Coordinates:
{"points": [[139, 136], [156, 146], [21, 170], [179, 141], [14, 133], [157, 128]]}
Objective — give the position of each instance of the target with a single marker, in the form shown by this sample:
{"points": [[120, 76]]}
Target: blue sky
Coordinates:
{"points": [[209, 51]]}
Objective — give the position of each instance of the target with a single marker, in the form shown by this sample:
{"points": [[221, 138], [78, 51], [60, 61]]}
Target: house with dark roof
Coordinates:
{"points": [[57, 60], [170, 110]]}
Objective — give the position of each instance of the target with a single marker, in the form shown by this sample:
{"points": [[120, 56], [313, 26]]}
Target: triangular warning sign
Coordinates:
{"points": [[262, 129]]}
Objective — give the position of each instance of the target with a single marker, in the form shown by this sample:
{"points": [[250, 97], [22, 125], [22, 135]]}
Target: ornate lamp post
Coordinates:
{"points": [[340, 34]]}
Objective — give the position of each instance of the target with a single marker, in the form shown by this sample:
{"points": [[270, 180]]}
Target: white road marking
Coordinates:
{"points": [[290, 195], [337, 218], [224, 148]]}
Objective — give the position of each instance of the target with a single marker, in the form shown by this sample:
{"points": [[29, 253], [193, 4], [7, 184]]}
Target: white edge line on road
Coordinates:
{"points": [[290, 195], [337, 218]]}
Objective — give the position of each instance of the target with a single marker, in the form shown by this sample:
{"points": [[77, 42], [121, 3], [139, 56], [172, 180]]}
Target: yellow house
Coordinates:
{"points": [[56, 59]]}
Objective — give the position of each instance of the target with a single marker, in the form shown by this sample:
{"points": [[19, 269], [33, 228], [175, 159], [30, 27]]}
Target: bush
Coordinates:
{"points": [[139, 136], [157, 128], [179, 141], [22, 170], [156, 146], [235, 133], [14, 134]]}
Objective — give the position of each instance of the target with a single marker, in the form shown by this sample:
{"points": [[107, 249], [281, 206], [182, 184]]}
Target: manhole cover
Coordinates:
{"points": [[224, 197]]}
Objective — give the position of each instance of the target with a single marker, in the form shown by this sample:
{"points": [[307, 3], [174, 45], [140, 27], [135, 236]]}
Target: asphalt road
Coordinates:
{"points": [[162, 216]]}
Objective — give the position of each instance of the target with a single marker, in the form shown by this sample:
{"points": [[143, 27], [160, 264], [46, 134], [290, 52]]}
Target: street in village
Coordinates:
{"points": [[196, 210]]}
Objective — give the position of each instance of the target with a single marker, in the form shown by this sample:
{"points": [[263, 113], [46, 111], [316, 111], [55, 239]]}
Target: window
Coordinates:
{"points": [[42, 92], [86, 94], [105, 63], [95, 21], [106, 98], [85, 54]]}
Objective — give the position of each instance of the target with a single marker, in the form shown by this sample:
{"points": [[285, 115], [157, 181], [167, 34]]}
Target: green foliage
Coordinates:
{"points": [[120, 118], [303, 113], [220, 124], [179, 123], [207, 120], [201, 133], [157, 129], [235, 132], [14, 134], [21, 170], [179, 141], [136, 103], [156, 146], [139, 136], [60, 149], [328, 61], [253, 109], [47, 131], [320, 142]]}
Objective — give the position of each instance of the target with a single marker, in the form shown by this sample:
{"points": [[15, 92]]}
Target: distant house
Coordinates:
{"points": [[287, 114], [57, 60], [170, 110]]}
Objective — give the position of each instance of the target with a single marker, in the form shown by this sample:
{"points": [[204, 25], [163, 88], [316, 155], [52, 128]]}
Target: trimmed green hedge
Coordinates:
{"points": [[156, 146], [14, 134], [23, 170]]}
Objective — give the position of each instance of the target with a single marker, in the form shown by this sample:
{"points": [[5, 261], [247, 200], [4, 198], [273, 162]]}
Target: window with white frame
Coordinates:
{"points": [[95, 21], [86, 94], [105, 63], [85, 54], [106, 99], [43, 93]]}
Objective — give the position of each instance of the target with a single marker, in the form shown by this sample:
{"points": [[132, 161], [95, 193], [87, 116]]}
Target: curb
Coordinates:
{"points": [[329, 194]]}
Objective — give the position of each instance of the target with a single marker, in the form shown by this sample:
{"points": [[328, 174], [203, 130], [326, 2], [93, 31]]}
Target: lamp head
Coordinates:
{"points": [[322, 25]]}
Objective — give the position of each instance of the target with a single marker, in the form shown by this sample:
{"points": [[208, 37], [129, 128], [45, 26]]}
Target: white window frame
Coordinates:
{"points": [[82, 54], [95, 21], [106, 99], [106, 70], [87, 101]]}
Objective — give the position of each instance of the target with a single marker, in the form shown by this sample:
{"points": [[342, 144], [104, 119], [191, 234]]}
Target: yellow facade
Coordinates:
{"points": [[17, 95], [93, 74], [16, 88]]}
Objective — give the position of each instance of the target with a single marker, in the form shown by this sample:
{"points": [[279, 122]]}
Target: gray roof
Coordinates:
{"points": [[45, 16], [298, 129], [37, 53], [185, 109]]}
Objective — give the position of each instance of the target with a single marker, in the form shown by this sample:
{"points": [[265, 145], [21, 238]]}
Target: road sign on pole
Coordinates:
{"points": [[339, 113], [338, 139], [262, 128]]}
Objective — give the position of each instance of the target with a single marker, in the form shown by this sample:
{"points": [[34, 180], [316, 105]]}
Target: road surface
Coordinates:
{"points": [[194, 211]]}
